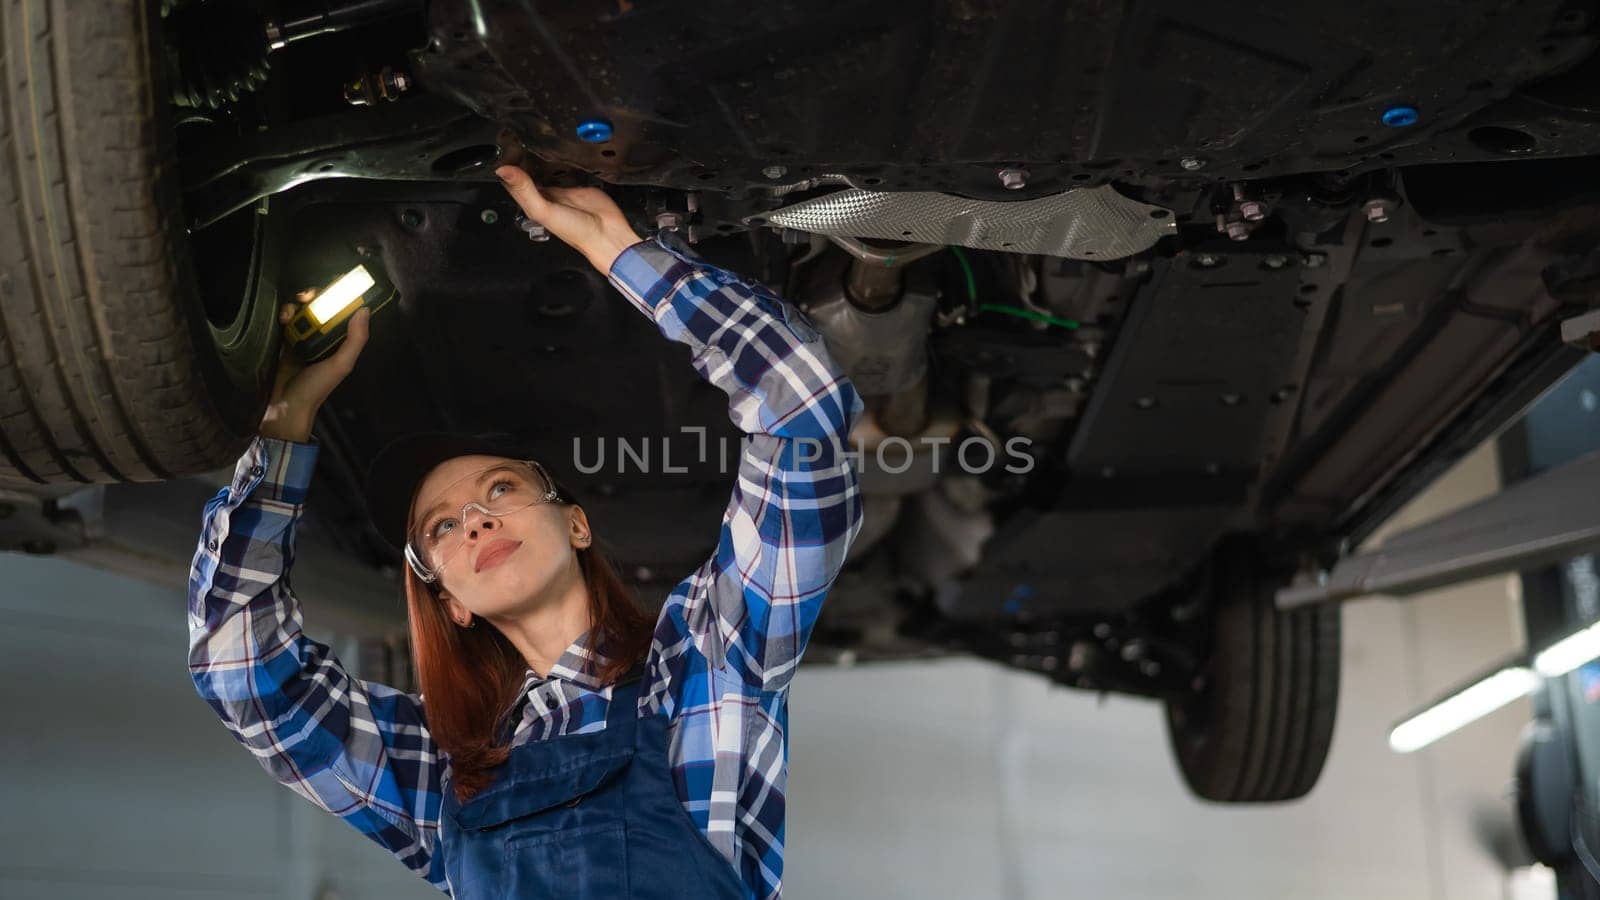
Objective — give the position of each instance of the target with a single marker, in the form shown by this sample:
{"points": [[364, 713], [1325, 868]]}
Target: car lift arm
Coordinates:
{"points": [[1552, 516]]}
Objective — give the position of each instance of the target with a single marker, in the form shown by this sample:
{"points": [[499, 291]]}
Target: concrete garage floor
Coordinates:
{"points": [[955, 779]]}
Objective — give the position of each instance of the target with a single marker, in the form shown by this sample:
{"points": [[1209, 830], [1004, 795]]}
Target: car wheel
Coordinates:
{"points": [[115, 365], [1259, 726]]}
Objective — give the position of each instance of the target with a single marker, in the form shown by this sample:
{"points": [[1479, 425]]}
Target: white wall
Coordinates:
{"points": [[961, 779], [116, 781], [954, 779]]}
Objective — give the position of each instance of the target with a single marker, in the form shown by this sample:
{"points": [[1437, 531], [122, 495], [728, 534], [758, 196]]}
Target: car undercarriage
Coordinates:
{"points": [[1153, 304]]}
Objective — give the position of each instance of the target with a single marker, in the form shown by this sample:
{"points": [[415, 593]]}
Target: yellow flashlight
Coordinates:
{"points": [[319, 327]]}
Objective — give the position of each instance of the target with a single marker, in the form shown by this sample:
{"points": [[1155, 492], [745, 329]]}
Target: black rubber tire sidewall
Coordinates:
{"points": [[1261, 727], [109, 368]]}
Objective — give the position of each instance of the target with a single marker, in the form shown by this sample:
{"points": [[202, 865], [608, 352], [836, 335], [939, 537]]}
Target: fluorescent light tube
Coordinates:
{"points": [[1569, 653], [1461, 708]]}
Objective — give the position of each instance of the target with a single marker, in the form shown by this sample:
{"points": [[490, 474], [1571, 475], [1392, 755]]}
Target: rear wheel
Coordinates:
{"points": [[1258, 729], [113, 364]]}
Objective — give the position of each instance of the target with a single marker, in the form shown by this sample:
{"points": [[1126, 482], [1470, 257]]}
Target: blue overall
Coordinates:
{"points": [[586, 817]]}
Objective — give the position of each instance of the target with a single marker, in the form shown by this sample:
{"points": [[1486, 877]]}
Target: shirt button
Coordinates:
{"points": [[550, 701], [256, 471], [211, 545]]}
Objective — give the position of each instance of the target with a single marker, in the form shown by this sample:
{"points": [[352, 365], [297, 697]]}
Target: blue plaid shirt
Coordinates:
{"points": [[726, 644]]}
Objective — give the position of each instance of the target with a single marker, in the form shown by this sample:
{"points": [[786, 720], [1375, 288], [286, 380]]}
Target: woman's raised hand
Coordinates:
{"points": [[299, 391], [585, 218]]}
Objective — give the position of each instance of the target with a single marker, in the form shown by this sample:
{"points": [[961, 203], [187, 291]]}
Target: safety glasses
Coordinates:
{"points": [[500, 490]]}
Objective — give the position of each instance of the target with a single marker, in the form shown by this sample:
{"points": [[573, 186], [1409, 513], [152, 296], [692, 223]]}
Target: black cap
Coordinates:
{"points": [[399, 468]]}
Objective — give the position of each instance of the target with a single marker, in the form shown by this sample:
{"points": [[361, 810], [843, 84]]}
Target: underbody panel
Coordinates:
{"points": [[1185, 271]]}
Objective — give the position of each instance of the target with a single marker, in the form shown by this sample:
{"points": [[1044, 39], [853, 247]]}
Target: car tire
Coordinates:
{"points": [[1258, 728], [112, 365]]}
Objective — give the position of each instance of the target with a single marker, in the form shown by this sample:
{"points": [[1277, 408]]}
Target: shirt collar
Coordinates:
{"points": [[579, 664]]}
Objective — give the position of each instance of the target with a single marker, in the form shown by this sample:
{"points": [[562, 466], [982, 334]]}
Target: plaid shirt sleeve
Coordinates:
{"points": [[795, 506], [359, 750]]}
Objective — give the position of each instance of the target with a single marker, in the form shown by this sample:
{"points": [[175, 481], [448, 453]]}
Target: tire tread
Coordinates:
{"points": [[1261, 730], [99, 372]]}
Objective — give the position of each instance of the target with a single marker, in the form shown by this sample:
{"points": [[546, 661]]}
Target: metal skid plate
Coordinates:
{"points": [[710, 95], [1084, 223]]}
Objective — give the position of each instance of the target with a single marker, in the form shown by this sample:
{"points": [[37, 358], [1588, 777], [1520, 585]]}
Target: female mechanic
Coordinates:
{"points": [[568, 746]]}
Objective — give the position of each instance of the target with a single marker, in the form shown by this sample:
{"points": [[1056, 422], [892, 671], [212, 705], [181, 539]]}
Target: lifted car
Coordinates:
{"points": [[1154, 303]]}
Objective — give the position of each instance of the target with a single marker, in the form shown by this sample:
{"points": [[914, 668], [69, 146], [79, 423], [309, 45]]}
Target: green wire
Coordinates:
{"points": [[1026, 314], [972, 294]]}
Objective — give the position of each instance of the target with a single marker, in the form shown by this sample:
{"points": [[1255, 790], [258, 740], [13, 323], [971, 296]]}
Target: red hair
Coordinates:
{"points": [[470, 677]]}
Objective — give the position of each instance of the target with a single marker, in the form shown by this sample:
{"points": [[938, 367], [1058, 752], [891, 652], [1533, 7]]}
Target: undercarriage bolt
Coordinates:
{"points": [[1192, 163], [1208, 260], [489, 217], [668, 221], [1316, 260], [594, 131], [1253, 210], [1238, 231], [1079, 655], [534, 230], [1275, 261], [775, 172], [1377, 210], [1013, 179], [367, 88], [1400, 116]]}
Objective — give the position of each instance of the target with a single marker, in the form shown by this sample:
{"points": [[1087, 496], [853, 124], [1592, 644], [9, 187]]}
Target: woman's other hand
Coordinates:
{"points": [[585, 218], [299, 390]]}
